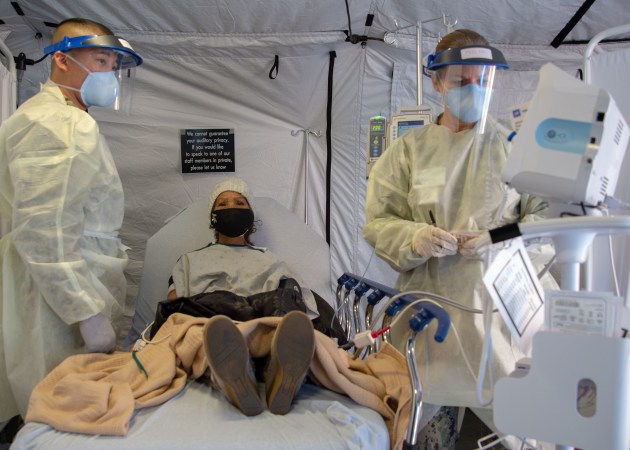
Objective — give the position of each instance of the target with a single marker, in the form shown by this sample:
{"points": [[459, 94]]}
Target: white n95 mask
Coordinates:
{"points": [[98, 88]]}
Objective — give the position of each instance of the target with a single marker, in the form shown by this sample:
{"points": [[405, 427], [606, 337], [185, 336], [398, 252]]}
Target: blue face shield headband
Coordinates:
{"points": [[480, 55], [127, 57]]}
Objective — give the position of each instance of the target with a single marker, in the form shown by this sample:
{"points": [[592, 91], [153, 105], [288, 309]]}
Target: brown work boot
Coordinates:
{"points": [[230, 365], [291, 353]]}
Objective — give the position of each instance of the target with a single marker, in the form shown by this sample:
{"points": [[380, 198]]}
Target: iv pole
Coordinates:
{"points": [[8, 107], [449, 27], [306, 132]]}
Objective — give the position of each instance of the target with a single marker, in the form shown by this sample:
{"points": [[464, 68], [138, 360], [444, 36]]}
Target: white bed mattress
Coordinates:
{"points": [[201, 418]]}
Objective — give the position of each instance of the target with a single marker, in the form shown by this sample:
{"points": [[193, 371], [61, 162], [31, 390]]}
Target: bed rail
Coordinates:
{"points": [[354, 322]]}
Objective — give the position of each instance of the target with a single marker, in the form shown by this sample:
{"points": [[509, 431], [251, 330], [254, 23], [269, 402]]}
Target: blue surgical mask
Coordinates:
{"points": [[466, 102], [98, 88]]}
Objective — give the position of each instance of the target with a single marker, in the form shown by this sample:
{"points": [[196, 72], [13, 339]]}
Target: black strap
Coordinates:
{"points": [[275, 66], [331, 70], [504, 233], [557, 41], [17, 8]]}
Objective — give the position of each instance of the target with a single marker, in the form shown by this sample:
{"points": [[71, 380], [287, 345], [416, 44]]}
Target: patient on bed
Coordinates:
{"points": [[99, 394], [231, 279]]}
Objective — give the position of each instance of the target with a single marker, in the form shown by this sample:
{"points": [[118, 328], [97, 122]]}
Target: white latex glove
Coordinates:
{"points": [[98, 334], [475, 247], [433, 241]]}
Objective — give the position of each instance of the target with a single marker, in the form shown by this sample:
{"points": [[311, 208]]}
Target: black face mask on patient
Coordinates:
{"points": [[232, 222]]}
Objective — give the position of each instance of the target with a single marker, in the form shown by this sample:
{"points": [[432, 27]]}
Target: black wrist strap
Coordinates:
{"points": [[504, 233]]}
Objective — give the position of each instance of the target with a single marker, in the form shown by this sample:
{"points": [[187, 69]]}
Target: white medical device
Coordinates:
{"points": [[571, 143], [407, 118], [376, 141], [575, 390], [381, 135]]}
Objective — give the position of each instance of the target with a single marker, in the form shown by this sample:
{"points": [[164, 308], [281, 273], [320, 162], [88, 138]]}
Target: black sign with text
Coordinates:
{"points": [[207, 150]]}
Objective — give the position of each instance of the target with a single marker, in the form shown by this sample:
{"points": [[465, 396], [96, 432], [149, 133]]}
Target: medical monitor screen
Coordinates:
{"points": [[377, 127], [407, 125]]}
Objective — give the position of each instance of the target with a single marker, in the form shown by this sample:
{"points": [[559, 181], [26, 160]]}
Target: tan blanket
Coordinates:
{"points": [[98, 393]]}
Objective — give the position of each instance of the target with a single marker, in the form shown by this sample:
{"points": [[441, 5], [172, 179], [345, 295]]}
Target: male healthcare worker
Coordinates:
{"points": [[440, 183], [62, 282]]}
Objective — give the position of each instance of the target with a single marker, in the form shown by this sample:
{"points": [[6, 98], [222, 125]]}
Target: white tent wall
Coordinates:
{"points": [[19, 38], [212, 86], [8, 83], [610, 70]]}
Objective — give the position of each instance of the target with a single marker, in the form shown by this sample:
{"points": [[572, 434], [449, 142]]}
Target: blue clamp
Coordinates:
{"points": [[511, 136], [429, 311], [375, 297], [350, 284], [395, 306], [342, 279], [361, 289]]}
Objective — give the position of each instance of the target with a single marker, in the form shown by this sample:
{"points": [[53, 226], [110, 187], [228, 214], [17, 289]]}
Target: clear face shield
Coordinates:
{"points": [[125, 77], [468, 78], [110, 63]]}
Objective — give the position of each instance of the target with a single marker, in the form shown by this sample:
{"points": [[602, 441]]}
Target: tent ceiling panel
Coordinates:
{"points": [[535, 22]]}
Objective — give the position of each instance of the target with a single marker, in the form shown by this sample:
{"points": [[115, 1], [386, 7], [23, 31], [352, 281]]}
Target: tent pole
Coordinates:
{"points": [[419, 60]]}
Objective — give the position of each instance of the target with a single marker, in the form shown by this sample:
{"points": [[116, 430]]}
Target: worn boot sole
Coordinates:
{"points": [[291, 353], [228, 357]]}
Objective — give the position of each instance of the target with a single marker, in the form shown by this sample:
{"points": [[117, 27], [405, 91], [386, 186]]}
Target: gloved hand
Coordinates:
{"points": [[475, 247], [433, 241], [98, 334]]}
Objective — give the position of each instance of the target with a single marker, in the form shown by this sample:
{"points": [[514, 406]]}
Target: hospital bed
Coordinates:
{"points": [[199, 417]]}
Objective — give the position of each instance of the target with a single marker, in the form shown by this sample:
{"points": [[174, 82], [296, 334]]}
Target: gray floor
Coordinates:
{"points": [[472, 430]]}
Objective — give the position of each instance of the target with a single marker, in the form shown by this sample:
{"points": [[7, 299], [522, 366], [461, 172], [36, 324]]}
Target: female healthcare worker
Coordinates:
{"points": [[438, 183], [62, 281]]}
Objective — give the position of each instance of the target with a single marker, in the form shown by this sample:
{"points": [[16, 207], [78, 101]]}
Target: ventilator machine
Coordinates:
{"points": [[571, 144]]}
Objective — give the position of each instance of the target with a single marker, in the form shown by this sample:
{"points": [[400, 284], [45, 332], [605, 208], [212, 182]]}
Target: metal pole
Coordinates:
{"points": [[306, 132], [419, 61]]}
